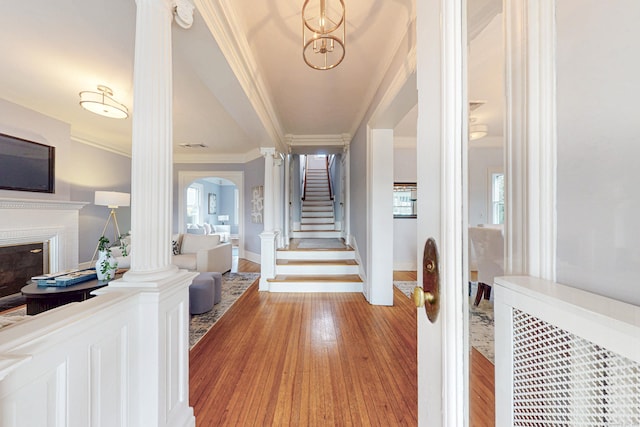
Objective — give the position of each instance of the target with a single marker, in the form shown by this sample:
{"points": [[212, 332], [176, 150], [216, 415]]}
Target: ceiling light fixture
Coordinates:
{"points": [[322, 47], [102, 103], [478, 131]]}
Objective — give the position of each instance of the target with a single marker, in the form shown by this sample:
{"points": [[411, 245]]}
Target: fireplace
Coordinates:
{"points": [[19, 263], [39, 229]]}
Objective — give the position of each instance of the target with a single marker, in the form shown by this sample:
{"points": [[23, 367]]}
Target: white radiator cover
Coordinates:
{"points": [[564, 356]]}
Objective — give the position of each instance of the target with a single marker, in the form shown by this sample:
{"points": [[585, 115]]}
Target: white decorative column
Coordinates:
{"points": [[287, 197], [346, 196], [278, 201], [159, 394], [268, 236]]}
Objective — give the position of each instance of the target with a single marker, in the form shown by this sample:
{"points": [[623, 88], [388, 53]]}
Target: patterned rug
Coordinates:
{"points": [[233, 285], [480, 322]]}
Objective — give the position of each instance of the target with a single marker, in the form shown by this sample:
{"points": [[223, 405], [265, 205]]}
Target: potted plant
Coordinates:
{"points": [[106, 265]]}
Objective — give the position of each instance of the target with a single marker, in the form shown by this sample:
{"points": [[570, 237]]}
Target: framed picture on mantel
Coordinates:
{"points": [[213, 204]]}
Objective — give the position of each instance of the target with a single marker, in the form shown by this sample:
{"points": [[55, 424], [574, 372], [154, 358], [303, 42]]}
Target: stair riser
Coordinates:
{"points": [[312, 287], [317, 209], [323, 255], [316, 234], [316, 270], [317, 227], [318, 220], [317, 214], [317, 199], [317, 203]]}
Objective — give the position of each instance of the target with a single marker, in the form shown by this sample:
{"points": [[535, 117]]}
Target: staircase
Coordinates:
{"points": [[317, 259]]}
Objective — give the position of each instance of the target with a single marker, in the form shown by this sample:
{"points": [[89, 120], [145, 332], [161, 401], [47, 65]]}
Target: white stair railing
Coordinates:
{"points": [[564, 356]]}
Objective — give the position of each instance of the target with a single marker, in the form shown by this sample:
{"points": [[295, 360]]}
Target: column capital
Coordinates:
{"points": [[183, 12], [268, 151]]}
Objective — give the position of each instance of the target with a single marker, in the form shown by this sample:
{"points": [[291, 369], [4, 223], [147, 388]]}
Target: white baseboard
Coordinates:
{"points": [[405, 266], [253, 257]]}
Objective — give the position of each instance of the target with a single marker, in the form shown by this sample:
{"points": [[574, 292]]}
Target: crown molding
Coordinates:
{"points": [[101, 146], [311, 140], [222, 22]]}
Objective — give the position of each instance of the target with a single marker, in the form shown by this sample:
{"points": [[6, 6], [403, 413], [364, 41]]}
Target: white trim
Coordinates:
{"points": [[222, 22], [515, 162], [252, 256], [187, 177], [199, 157], [111, 149], [441, 152], [8, 203], [531, 139], [542, 139], [405, 266]]}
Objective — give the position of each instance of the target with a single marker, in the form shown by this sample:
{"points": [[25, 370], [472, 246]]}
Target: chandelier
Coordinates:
{"points": [[322, 46]]}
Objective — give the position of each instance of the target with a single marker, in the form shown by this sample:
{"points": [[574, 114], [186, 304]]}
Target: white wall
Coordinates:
{"points": [[482, 161], [598, 147], [404, 229]]}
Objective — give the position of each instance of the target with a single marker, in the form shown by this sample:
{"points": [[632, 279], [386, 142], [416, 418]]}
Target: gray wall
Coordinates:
{"points": [[101, 170], [481, 162], [598, 207], [358, 150], [80, 171], [253, 176], [405, 251]]}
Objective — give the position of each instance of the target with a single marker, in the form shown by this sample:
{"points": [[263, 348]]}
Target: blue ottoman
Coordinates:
{"points": [[204, 292]]}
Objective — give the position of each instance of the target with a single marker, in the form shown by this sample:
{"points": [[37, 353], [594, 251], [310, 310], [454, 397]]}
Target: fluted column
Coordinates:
{"points": [[287, 198], [278, 201], [268, 236], [152, 143]]}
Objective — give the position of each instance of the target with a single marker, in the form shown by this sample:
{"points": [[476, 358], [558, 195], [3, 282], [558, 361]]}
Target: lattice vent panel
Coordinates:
{"points": [[561, 379]]}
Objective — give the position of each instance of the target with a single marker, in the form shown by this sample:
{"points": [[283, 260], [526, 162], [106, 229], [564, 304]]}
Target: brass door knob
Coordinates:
{"points": [[420, 297]]}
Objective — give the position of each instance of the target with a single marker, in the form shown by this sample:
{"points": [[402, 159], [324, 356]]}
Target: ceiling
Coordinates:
{"points": [[52, 50]]}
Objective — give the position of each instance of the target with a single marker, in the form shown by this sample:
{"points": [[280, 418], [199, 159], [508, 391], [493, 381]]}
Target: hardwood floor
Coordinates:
{"points": [[307, 359], [317, 359], [481, 378]]}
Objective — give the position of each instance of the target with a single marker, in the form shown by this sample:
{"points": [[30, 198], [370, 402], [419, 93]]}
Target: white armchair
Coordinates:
{"points": [[488, 245], [198, 252]]}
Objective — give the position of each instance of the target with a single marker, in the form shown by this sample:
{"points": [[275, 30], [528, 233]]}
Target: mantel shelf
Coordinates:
{"points": [[10, 203]]}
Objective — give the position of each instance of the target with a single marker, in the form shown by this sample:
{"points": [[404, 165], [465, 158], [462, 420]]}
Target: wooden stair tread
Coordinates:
{"points": [[354, 278]]}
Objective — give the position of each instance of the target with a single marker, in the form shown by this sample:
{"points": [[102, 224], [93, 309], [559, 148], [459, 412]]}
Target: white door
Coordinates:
{"points": [[441, 142]]}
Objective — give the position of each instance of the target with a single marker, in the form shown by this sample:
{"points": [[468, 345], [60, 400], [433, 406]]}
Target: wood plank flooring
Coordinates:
{"points": [[307, 359], [317, 359]]}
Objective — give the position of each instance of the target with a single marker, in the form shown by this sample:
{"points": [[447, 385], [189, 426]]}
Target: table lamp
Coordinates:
{"points": [[223, 218]]}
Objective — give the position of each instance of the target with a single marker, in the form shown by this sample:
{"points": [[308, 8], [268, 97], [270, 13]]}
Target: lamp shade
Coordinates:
{"points": [[223, 217], [112, 199]]}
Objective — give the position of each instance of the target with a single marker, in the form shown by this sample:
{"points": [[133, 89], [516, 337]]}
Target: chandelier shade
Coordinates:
{"points": [[102, 103], [323, 33]]}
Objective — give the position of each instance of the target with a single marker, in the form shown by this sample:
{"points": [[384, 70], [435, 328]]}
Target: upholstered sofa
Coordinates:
{"points": [[208, 229], [198, 252]]}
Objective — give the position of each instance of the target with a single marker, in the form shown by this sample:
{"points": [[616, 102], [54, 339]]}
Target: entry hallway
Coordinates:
{"points": [[307, 359]]}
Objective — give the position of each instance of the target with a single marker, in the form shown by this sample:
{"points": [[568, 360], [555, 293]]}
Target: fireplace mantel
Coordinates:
{"points": [[10, 203], [55, 222]]}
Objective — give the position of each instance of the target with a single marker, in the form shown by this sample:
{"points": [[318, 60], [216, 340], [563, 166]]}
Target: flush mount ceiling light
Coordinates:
{"points": [[102, 103], [478, 131], [323, 21]]}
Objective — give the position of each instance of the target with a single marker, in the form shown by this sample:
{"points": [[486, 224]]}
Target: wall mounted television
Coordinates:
{"points": [[26, 165]]}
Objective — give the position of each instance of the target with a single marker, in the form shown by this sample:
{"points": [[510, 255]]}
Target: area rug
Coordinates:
{"points": [[233, 285], [480, 322], [12, 301]]}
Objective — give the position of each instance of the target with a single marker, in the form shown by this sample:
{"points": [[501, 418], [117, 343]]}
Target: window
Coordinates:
{"points": [[404, 199], [497, 198], [194, 204]]}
